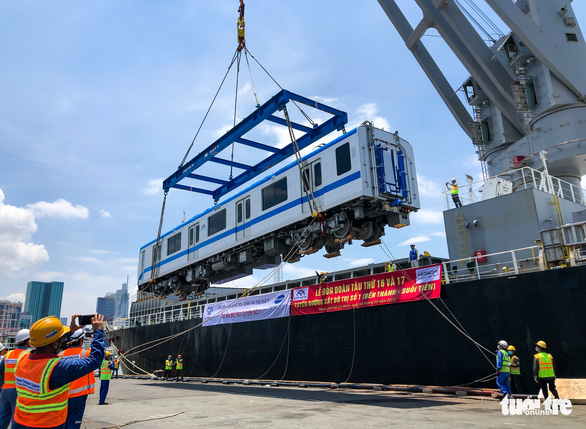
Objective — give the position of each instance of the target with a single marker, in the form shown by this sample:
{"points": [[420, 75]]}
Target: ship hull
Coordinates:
{"points": [[409, 343]]}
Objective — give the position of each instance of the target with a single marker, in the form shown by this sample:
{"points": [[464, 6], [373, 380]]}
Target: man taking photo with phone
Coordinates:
{"points": [[42, 377]]}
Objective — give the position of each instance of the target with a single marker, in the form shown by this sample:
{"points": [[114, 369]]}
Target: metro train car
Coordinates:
{"points": [[348, 189]]}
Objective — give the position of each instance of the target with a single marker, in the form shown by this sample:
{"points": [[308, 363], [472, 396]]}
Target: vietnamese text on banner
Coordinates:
{"points": [[414, 284]]}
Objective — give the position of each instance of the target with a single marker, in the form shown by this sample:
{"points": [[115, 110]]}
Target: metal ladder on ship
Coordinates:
{"points": [[461, 234]]}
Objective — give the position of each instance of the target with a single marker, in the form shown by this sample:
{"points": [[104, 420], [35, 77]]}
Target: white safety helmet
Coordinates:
{"points": [[22, 336], [453, 179], [503, 344], [412, 244], [2, 347], [77, 334]]}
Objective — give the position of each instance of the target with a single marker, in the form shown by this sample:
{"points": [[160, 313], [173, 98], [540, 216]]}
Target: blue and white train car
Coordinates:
{"points": [[349, 190]]}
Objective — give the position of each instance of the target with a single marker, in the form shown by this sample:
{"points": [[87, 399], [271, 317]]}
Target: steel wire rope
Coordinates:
{"points": [[235, 110], [160, 341], [225, 351], [209, 108], [288, 351], [442, 314], [485, 17], [287, 333], [471, 17], [196, 352], [354, 346]]}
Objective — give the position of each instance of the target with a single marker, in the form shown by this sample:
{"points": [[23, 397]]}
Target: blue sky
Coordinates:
{"points": [[100, 101]]}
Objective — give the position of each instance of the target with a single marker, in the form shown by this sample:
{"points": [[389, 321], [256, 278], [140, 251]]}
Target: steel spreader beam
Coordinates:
{"points": [[235, 135]]}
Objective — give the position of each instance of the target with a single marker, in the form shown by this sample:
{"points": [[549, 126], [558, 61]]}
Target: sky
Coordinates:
{"points": [[100, 101]]}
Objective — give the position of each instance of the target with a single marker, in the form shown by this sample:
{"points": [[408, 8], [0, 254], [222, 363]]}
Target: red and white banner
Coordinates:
{"points": [[414, 284], [256, 307]]}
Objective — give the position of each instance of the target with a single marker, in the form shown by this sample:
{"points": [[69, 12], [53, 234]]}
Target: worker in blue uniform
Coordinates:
{"points": [[503, 369], [413, 256]]}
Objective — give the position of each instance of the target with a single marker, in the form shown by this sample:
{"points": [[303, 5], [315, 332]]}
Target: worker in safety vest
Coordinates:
{"points": [[168, 367], [105, 377], [8, 395], [3, 351], [179, 367], [82, 387], [544, 370], [515, 370], [390, 266], [43, 377], [322, 277], [116, 366], [453, 188], [503, 368]]}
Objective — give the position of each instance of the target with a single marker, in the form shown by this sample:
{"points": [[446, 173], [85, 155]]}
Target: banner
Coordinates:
{"points": [[414, 284], [257, 307]]}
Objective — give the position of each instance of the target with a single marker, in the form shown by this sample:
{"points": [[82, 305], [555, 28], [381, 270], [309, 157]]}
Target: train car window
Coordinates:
{"points": [[197, 233], [239, 213], [247, 208], [317, 174], [157, 251], [343, 164], [217, 222], [174, 244], [306, 180], [274, 194], [191, 236]]}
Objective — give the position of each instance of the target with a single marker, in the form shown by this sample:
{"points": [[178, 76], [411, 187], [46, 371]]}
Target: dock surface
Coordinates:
{"points": [[168, 404]]}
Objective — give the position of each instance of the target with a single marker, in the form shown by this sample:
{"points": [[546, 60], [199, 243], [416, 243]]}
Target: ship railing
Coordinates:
{"points": [[500, 264], [518, 179]]}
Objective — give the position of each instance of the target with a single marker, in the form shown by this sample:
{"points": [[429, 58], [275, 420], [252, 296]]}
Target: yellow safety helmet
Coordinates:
{"points": [[511, 349], [541, 344], [169, 357], [46, 331], [108, 354]]}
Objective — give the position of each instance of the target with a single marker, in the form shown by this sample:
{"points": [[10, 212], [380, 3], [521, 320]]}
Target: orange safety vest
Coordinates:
{"points": [[116, 364], [10, 360], [545, 365], [85, 384], [36, 404]]}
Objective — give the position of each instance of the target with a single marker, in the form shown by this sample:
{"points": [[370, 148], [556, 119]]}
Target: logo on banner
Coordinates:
{"points": [[428, 274], [279, 299], [533, 407], [300, 294]]}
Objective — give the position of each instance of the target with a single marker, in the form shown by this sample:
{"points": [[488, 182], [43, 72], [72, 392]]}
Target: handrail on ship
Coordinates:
{"points": [[521, 178], [521, 261]]}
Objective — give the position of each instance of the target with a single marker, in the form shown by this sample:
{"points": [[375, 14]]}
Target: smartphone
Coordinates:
{"points": [[85, 320]]}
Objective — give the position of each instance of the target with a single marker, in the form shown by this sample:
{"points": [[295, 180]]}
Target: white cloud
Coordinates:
{"points": [[291, 271], [49, 276], [438, 234], [14, 297], [60, 208], [104, 213], [16, 255], [416, 239], [428, 217], [154, 187], [17, 225], [89, 259], [368, 112], [429, 188], [359, 262]]}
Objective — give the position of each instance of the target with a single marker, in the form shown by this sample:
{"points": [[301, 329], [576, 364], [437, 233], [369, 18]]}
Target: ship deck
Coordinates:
{"points": [[162, 404]]}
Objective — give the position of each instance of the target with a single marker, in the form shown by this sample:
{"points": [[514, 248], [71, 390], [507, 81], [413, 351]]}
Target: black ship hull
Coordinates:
{"points": [[410, 343]]}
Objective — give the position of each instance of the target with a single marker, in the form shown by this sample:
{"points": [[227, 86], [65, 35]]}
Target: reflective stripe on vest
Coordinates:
{"points": [[545, 365], [506, 366], [36, 404], [180, 364], [515, 366], [168, 364], [10, 360], [105, 371], [85, 384], [454, 189]]}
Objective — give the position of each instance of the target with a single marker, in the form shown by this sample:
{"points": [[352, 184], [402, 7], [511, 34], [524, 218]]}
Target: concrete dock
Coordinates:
{"points": [[167, 404]]}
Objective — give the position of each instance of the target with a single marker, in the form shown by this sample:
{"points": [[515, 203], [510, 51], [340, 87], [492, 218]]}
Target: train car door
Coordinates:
{"points": [[156, 250], [311, 181], [193, 240], [243, 215]]}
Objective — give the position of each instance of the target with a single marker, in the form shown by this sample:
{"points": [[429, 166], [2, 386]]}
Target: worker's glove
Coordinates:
{"points": [[497, 372], [536, 380]]}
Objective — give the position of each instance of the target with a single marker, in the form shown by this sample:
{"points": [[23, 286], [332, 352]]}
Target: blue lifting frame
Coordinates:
{"points": [[276, 155]]}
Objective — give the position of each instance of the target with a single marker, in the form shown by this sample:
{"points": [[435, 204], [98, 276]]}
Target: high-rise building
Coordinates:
{"points": [[43, 299], [121, 298], [26, 321], [106, 306], [9, 317]]}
